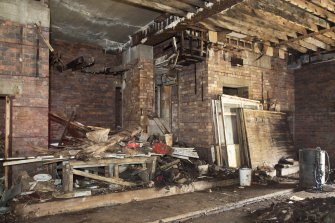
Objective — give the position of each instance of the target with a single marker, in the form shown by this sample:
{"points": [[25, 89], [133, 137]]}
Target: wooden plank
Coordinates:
{"points": [[33, 210], [157, 6], [112, 180], [264, 146], [67, 177], [314, 9], [7, 139], [105, 162]]}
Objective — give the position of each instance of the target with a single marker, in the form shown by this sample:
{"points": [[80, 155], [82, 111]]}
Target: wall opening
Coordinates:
{"points": [[2, 131], [242, 92]]}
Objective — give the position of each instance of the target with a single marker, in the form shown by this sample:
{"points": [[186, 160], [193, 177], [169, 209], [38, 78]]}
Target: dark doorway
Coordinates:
{"points": [[2, 131], [118, 107]]}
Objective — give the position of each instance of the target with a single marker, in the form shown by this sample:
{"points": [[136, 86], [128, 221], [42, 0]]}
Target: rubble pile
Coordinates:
{"points": [[298, 210]]}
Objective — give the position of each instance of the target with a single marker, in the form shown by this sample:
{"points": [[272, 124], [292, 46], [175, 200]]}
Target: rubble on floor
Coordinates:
{"points": [[296, 210], [89, 147]]}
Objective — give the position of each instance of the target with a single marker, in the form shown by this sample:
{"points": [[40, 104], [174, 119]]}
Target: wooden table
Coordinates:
{"points": [[111, 166]]}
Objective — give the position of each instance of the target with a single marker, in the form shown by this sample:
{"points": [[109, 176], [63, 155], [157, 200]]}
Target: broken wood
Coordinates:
{"points": [[99, 148], [77, 204], [112, 180]]}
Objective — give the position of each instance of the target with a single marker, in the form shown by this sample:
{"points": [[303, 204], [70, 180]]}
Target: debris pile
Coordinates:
{"points": [[297, 209]]}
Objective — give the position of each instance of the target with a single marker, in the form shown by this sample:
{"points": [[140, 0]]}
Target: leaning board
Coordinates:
{"points": [[268, 137]]}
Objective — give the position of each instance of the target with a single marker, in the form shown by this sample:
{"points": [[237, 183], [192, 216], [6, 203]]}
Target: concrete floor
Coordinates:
{"points": [[156, 209]]}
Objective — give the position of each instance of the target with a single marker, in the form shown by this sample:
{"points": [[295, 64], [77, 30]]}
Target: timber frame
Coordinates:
{"points": [[292, 26]]}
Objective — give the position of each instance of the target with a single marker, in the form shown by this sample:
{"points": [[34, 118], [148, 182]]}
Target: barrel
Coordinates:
{"points": [[308, 161]]}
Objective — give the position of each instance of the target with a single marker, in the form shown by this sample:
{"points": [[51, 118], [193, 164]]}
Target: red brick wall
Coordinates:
{"points": [[138, 93], [18, 62], [194, 124], [91, 96], [315, 107]]}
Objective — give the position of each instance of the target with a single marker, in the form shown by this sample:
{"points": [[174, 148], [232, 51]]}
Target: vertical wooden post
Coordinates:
{"points": [[67, 177], [116, 171], [7, 138]]}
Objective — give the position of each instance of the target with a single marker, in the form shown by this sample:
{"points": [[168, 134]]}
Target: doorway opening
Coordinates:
{"points": [[242, 92], [5, 114]]}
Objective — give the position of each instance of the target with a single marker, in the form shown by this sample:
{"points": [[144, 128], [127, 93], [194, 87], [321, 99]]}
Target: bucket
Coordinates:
{"points": [[245, 176], [169, 139]]}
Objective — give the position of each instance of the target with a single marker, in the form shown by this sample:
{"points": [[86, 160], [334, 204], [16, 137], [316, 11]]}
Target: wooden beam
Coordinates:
{"points": [[297, 47], [241, 29], [309, 35], [144, 36], [274, 19], [284, 13], [317, 43], [33, 210], [325, 39], [7, 138], [198, 3], [177, 4], [239, 14], [326, 4], [272, 32], [111, 180], [156, 6], [330, 35], [312, 8], [297, 12], [307, 45]]}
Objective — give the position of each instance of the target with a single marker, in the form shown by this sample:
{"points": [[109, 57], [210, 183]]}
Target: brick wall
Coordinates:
{"points": [[92, 97], [25, 77], [138, 93], [315, 107], [193, 122]]}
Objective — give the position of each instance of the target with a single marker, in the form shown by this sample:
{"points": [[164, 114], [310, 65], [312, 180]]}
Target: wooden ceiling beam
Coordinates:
{"points": [[326, 4], [156, 6], [298, 48], [314, 9], [297, 11], [330, 35], [325, 39], [317, 43], [241, 29], [308, 35], [285, 13], [197, 3], [307, 45], [178, 5], [240, 13], [240, 22], [152, 35], [273, 19]]}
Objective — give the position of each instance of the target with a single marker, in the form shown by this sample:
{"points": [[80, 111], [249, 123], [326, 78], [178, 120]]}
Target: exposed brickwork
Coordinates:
{"points": [[194, 125], [19, 62], [92, 97], [138, 94], [315, 107]]}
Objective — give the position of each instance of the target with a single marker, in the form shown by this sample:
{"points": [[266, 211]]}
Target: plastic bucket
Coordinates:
{"points": [[169, 139], [245, 176]]}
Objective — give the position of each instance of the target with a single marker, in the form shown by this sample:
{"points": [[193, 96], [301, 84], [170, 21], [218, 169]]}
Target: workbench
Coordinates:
{"points": [[111, 165]]}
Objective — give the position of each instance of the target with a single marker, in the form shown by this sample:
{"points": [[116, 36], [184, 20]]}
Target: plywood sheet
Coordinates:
{"points": [[268, 137]]}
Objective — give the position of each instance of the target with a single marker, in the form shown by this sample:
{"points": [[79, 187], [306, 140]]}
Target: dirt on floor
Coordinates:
{"points": [[156, 209]]}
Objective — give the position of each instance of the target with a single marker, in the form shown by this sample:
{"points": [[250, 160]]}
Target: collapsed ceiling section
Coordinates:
{"points": [[105, 23], [286, 25]]}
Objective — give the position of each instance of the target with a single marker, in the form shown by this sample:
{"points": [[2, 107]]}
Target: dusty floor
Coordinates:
{"points": [[243, 214], [156, 209]]}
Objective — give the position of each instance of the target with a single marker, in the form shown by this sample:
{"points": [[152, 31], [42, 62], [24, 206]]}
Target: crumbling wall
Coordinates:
{"points": [[192, 117], [90, 96], [24, 72], [315, 107], [138, 92]]}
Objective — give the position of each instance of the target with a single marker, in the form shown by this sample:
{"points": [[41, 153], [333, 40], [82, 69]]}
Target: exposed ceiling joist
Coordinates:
{"points": [[327, 4], [157, 6], [177, 4], [157, 35], [308, 45], [317, 43], [198, 3], [312, 8]]}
